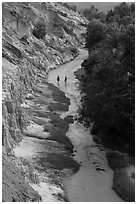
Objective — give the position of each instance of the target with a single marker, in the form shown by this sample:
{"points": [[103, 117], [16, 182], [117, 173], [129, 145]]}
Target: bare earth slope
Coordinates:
{"points": [[26, 61]]}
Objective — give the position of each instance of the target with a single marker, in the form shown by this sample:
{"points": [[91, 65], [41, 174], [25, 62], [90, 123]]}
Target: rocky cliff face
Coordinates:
{"points": [[37, 37]]}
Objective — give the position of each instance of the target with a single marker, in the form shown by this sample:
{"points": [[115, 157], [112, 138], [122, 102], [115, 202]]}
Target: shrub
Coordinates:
{"points": [[95, 33], [39, 31], [74, 50]]}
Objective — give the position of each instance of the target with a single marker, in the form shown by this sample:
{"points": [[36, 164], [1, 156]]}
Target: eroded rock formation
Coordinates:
{"points": [[36, 37]]}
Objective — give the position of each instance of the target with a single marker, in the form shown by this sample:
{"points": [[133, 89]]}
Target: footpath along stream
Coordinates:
{"points": [[93, 182]]}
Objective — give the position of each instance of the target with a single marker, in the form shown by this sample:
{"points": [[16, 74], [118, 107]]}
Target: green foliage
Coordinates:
{"points": [[39, 30], [95, 33], [123, 14], [92, 13], [108, 85], [128, 41]]}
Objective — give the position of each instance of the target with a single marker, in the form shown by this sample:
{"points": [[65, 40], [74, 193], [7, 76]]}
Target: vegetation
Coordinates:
{"points": [[39, 30], [109, 82], [95, 33], [93, 13], [123, 14], [70, 7]]}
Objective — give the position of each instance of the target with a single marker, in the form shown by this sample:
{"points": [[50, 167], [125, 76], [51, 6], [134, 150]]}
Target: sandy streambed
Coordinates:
{"points": [[44, 154], [93, 182], [57, 149]]}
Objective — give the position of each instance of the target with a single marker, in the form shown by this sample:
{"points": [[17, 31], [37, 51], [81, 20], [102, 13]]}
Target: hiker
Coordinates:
{"points": [[65, 79], [58, 79]]}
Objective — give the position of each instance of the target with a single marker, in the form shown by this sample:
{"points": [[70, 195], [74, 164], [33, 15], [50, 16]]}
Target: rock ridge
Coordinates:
{"points": [[36, 37]]}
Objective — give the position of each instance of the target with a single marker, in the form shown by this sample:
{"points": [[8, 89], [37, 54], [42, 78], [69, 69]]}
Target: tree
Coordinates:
{"points": [[128, 43], [95, 33], [123, 13], [92, 13], [108, 86]]}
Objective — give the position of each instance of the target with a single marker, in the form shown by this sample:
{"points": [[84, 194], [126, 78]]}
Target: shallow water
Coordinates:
{"points": [[88, 184]]}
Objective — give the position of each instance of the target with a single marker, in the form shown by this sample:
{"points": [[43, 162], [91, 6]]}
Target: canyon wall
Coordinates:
{"points": [[36, 37]]}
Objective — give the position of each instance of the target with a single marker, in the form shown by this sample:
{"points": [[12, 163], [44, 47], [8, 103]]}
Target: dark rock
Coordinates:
{"points": [[59, 162], [9, 106], [58, 107], [124, 186], [69, 119], [117, 159], [100, 169], [60, 124], [13, 49], [63, 140], [29, 97], [58, 95], [122, 183]]}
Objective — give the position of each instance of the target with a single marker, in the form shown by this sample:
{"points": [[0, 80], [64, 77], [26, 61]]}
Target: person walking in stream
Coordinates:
{"points": [[58, 79], [65, 80]]}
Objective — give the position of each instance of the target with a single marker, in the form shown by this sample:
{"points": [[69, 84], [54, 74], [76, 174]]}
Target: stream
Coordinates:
{"points": [[93, 182]]}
